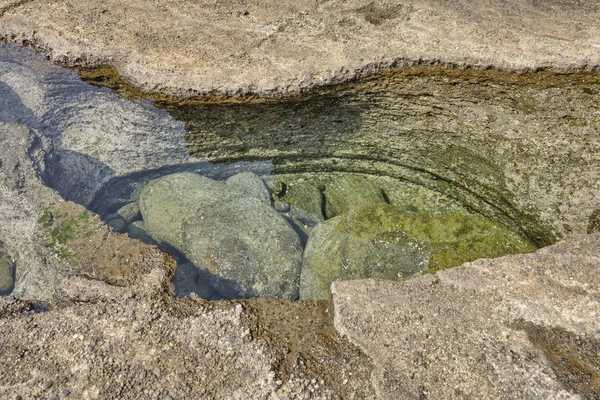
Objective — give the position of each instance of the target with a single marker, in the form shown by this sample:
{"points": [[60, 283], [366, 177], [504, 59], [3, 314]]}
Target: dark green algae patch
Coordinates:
{"points": [[497, 142]]}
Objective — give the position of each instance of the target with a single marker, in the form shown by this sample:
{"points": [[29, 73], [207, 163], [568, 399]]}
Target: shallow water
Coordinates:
{"points": [[108, 150]]}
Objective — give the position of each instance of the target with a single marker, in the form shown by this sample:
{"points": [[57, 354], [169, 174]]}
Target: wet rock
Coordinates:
{"points": [[6, 273], [302, 222], [384, 241], [130, 212], [306, 197], [348, 192], [594, 224], [137, 230], [117, 224], [252, 185], [247, 247]]}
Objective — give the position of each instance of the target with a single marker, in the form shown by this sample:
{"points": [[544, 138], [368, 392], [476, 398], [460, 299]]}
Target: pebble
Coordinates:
{"points": [[64, 394], [46, 385], [53, 397]]}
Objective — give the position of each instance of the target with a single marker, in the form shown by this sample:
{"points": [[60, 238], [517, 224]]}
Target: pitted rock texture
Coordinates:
{"points": [[186, 48], [523, 326]]}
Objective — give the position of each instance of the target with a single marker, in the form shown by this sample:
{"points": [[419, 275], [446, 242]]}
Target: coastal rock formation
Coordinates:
{"points": [[228, 48], [523, 325]]}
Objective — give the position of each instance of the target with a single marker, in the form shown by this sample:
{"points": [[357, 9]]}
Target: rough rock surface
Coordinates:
{"points": [[226, 47], [387, 242], [246, 247], [110, 328], [521, 326]]}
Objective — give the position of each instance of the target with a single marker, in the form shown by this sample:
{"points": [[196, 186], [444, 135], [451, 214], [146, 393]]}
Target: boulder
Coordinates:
{"points": [[130, 212], [348, 192], [247, 248], [306, 197], [251, 185], [387, 242], [137, 230]]}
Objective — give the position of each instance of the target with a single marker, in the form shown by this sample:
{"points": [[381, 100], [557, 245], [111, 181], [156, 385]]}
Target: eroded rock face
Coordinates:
{"points": [[387, 242], [262, 47], [231, 231], [523, 324]]}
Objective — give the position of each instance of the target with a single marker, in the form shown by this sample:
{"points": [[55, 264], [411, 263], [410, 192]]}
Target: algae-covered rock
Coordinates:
{"points": [[350, 191], [246, 246], [306, 197], [384, 241], [6, 273], [594, 224]]}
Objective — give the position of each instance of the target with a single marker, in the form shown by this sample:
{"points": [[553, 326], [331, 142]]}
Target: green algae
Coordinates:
{"points": [[388, 242]]}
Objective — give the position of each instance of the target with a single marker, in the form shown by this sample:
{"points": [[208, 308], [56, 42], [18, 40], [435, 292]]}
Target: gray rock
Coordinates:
{"points": [[252, 185], [130, 212], [387, 242], [348, 192], [281, 206], [118, 225], [244, 244], [330, 43], [137, 230], [306, 197]]}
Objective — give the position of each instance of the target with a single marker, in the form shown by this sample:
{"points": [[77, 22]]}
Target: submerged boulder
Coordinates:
{"points": [[384, 241], [306, 197], [247, 248], [350, 191]]}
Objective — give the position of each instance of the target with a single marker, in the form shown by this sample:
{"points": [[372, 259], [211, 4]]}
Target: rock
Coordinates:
{"points": [[281, 206], [387, 242], [130, 212], [306, 197], [375, 35], [118, 225], [594, 224], [252, 185], [137, 230], [348, 192], [247, 247], [7, 268], [523, 324]]}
